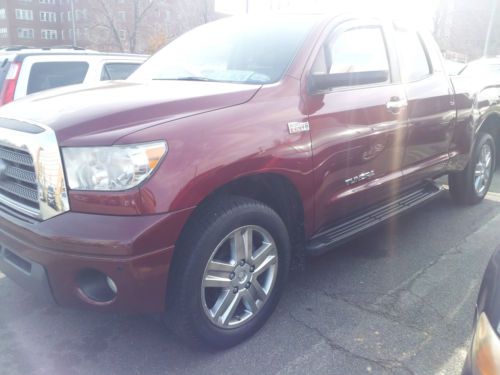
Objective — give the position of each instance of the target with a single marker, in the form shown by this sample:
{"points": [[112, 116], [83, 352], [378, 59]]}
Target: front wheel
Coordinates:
{"points": [[471, 185], [232, 266]]}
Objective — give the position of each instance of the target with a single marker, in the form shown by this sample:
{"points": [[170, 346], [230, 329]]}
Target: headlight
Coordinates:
{"points": [[485, 348], [111, 168]]}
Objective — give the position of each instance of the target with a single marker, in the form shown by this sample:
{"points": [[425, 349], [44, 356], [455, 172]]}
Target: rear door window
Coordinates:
{"points": [[414, 61], [113, 71], [48, 75]]}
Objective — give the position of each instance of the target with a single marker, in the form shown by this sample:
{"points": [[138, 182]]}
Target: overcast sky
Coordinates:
{"points": [[419, 12]]}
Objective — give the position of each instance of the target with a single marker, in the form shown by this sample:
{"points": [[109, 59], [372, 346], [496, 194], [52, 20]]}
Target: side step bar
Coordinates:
{"points": [[346, 229]]}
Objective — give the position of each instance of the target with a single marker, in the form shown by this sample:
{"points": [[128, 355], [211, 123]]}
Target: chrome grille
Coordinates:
{"points": [[18, 177], [31, 171], [16, 157]]}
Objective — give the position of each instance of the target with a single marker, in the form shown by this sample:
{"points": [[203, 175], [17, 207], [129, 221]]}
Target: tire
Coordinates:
{"points": [[212, 238], [463, 185]]}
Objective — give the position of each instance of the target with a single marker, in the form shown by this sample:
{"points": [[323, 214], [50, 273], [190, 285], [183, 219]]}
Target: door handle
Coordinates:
{"points": [[396, 104]]}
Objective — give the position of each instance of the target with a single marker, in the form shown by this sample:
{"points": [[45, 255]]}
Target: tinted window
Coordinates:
{"points": [[117, 71], [47, 75], [359, 50], [414, 62]]}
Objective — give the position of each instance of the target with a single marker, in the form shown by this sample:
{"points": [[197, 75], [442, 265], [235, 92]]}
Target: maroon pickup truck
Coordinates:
{"points": [[246, 143]]}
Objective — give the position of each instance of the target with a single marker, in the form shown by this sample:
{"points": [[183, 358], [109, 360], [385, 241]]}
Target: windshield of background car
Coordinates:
{"points": [[480, 68], [238, 50]]}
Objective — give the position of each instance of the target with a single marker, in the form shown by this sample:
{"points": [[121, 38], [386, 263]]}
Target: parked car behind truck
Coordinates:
{"points": [[489, 66], [483, 357], [188, 189], [25, 71]]}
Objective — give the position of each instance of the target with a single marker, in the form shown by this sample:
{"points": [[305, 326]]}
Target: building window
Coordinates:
{"points": [[24, 14], [79, 15], [2, 13], [48, 16], [49, 34], [70, 15], [123, 34], [62, 34], [3, 33], [77, 33], [61, 16], [24, 33], [122, 15]]}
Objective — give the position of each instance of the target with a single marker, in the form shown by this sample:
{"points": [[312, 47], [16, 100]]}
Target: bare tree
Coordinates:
{"points": [[109, 25], [461, 26], [188, 14]]}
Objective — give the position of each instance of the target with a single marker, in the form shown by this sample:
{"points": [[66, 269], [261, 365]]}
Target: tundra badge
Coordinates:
{"points": [[298, 127], [359, 177]]}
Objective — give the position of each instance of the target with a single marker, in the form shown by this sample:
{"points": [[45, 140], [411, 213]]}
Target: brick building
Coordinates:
{"points": [[106, 25]]}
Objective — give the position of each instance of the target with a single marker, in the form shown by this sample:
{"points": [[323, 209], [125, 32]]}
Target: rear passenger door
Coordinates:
{"points": [[358, 130], [431, 107]]}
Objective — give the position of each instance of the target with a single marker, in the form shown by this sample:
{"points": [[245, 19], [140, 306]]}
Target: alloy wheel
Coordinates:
{"points": [[483, 169], [239, 276]]}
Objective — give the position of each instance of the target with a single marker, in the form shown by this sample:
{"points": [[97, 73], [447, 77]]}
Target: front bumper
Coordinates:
{"points": [[484, 354], [49, 257]]}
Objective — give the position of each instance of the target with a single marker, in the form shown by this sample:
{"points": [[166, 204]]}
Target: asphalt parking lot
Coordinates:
{"points": [[398, 300]]}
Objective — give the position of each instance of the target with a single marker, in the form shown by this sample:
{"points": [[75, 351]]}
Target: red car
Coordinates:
{"points": [[242, 145]]}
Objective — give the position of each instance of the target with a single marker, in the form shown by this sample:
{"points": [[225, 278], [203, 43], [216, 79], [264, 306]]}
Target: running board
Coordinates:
{"points": [[354, 225]]}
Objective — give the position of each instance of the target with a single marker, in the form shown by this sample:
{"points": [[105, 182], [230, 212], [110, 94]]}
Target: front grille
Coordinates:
{"points": [[31, 171], [18, 178]]}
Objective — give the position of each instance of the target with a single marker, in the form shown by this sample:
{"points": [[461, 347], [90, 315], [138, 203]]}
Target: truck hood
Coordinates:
{"points": [[100, 114]]}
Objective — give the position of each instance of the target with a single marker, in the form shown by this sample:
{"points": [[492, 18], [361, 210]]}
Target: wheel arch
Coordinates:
{"points": [[272, 189], [491, 125]]}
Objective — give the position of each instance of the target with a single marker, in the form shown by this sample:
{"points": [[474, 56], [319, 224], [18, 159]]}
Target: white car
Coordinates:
{"points": [[24, 71], [481, 66]]}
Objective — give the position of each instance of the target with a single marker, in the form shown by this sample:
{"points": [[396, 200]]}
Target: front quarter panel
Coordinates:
{"points": [[210, 150], [476, 99]]}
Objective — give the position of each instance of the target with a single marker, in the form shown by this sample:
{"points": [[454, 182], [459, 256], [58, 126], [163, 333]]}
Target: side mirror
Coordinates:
{"points": [[324, 82]]}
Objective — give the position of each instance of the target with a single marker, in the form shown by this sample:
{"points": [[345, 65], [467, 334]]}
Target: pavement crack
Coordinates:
{"points": [[429, 305], [385, 315], [389, 365]]}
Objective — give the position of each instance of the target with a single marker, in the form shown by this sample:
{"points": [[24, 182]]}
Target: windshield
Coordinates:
{"points": [[238, 50], [480, 68]]}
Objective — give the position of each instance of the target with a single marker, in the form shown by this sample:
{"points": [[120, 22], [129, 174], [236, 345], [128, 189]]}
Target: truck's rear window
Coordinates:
{"points": [[48, 75]]}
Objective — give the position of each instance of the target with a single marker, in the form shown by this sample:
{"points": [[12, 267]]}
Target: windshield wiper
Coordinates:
{"points": [[189, 78]]}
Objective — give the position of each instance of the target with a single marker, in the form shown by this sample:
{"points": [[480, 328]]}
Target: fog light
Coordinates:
{"points": [[97, 286]]}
